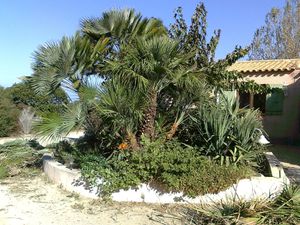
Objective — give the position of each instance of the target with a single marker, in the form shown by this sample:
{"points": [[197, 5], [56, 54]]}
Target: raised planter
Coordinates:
{"points": [[275, 167], [246, 189]]}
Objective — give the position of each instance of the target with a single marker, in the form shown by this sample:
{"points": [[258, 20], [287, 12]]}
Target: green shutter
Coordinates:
{"points": [[274, 100]]}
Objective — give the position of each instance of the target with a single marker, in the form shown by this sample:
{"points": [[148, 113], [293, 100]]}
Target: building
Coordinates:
{"points": [[281, 107]]}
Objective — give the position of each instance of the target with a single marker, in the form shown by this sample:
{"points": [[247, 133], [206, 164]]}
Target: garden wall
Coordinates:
{"points": [[246, 189]]}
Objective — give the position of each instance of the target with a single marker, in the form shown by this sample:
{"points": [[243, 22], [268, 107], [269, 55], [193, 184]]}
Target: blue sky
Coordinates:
{"points": [[26, 24]]}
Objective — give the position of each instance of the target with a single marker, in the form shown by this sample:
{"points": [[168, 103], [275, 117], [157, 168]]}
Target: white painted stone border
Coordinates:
{"points": [[254, 188]]}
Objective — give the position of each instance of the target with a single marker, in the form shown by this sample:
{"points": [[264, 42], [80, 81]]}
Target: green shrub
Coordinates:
{"points": [[8, 118], [224, 132], [167, 166]]}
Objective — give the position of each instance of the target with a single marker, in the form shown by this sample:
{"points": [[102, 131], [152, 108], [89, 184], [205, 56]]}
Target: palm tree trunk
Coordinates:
{"points": [[147, 127], [132, 139]]}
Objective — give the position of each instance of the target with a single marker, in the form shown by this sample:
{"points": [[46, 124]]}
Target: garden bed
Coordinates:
{"points": [[246, 189]]}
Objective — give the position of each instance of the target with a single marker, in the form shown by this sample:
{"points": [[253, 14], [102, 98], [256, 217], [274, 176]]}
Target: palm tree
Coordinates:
{"points": [[122, 26], [70, 61], [66, 63], [120, 46], [110, 111], [152, 65]]}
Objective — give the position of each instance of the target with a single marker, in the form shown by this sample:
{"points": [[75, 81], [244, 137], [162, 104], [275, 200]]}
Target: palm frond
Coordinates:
{"points": [[122, 25], [56, 126]]}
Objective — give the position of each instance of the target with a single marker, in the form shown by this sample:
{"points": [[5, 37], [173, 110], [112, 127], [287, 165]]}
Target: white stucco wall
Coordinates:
{"points": [[246, 189]]}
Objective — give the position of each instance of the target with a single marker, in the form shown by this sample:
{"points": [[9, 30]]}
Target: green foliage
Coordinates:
{"points": [[251, 87], [194, 40], [57, 125], [168, 166], [22, 94], [8, 117], [67, 63], [224, 132], [122, 26], [148, 77], [283, 209], [18, 155]]}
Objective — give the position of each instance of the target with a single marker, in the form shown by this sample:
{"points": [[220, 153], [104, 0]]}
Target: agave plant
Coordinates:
{"points": [[226, 132]]}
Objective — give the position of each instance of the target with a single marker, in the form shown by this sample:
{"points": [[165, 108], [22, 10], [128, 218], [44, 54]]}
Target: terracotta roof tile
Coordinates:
{"points": [[265, 65]]}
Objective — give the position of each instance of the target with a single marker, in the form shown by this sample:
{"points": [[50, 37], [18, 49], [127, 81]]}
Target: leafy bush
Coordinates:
{"points": [[224, 132], [167, 166], [8, 117]]}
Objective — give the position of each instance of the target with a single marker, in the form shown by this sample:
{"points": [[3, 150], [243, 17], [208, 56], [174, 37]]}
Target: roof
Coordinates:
{"points": [[265, 65]]}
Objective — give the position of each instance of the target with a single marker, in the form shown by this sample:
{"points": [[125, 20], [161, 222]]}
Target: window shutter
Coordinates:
{"points": [[274, 100]]}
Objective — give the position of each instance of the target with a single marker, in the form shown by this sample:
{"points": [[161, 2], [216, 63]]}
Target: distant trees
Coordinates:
{"points": [[19, 103], [22, 95], [279, 38], [8, 114]]}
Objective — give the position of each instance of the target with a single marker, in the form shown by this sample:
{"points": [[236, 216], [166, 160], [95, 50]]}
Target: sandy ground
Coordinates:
{"points": [[36, 201]]}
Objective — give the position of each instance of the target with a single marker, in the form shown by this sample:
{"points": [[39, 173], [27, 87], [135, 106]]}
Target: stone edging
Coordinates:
{"points": [[246, 189], [275, 167]]}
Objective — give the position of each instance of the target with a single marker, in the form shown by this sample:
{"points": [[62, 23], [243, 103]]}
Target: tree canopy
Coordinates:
{"points": [[279, 38], [22, 95]]}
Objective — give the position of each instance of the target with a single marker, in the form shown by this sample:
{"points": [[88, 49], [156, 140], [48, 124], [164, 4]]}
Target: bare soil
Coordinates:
{"points": [[33, 200]]}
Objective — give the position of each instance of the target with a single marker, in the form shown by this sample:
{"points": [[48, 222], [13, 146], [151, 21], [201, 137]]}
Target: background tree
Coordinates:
{"points": [[22, 95], [8, 114], [279, 38]]}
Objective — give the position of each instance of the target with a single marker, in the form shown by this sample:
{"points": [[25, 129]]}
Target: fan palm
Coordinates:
{"points": [[70, 62], [66, 63], [152, 65], [122, 26]]}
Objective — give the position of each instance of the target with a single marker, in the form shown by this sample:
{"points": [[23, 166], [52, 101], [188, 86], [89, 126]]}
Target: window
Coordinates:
{"points": [[269, 104], [256, 101]]}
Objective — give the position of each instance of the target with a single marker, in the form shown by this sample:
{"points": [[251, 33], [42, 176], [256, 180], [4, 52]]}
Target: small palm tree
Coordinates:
{"points": [[151, 66]]}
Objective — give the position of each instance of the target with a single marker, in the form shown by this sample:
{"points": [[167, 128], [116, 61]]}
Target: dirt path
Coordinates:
{"points": [[35, 201]]}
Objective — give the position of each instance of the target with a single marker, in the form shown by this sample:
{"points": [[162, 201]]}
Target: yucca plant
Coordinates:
{"points": [[225, 132]]}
